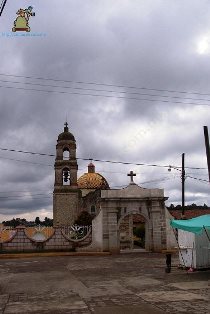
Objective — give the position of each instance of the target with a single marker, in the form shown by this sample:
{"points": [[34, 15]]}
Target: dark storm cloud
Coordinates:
{"points": [[133, 43]]}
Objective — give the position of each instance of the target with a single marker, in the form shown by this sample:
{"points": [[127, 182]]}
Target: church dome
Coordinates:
{"points": [[92, 180], [66, 135]]}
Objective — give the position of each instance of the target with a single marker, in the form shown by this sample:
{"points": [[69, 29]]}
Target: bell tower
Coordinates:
{"points": [[66, 194]]}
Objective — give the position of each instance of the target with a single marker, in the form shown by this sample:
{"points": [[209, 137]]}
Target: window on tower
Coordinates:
{"points": [[66, 154], [66, 176]]}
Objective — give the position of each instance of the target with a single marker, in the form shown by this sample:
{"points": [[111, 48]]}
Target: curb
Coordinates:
{"points": [[51, 254]]}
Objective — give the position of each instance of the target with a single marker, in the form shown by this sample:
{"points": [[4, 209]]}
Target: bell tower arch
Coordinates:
{"points": [[66, 194]]}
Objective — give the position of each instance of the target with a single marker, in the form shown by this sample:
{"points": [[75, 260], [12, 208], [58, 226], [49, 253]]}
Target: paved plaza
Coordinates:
{"points": [[126, 283]]}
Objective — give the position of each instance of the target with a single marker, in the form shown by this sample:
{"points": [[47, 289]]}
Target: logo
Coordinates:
{"points": [[22, 21]]}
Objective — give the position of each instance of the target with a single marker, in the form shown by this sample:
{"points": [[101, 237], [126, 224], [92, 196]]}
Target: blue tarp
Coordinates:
{"points": [[195, 225]]}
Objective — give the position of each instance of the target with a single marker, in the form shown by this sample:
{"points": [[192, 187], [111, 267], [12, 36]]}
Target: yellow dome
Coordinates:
{"points": [[92, 180]]}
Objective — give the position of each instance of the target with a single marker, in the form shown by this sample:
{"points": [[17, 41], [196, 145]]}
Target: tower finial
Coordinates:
{"points": [[66, 129], [131, 175], [91, 167]]}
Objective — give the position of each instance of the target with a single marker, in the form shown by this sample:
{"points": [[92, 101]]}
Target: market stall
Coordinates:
{"points": [[193, 241]]}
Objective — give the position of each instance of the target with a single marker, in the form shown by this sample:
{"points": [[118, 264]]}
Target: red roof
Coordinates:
{"points": [[189, 213]]}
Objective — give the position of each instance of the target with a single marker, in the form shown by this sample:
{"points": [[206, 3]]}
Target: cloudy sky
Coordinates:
{"points": [[132, 78]]}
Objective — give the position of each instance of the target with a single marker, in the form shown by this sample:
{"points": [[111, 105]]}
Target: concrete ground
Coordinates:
{"points": [[126, 283]]}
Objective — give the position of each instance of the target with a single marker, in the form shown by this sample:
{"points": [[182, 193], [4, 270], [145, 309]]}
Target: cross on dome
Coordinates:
{"points": [[66, 129]]}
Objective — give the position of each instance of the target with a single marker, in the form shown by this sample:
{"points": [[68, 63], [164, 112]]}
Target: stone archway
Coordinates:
{"points": [[133, 231]]}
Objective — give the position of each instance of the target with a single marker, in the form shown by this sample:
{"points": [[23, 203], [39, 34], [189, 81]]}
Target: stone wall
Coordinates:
{"points": [[58, 241], [65, 207], [97, 236]]}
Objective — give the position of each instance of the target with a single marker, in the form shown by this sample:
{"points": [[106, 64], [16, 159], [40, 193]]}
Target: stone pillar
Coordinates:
{"points": [[114, 243], [159, 229], [131, 230]]}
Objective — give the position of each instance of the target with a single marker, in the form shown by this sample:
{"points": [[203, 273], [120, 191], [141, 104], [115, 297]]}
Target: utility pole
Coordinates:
{"points": [[183, 184], [206, 136]]}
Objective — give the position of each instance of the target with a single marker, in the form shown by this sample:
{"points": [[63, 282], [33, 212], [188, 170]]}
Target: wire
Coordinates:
{"points": [[27, 152], [104, 90], [100, 160], [25, 161], [199, 179], [31, 196], [24, 196], [12, 197], [31, 199], [105, 84], [23, 191], [80, 169], [157, 180], [106, 96]]}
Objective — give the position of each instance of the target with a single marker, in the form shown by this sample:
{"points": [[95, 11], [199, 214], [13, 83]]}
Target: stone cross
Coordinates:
{"points": [[131, 174]]}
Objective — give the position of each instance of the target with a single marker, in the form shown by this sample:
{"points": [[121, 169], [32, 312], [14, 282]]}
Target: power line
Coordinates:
{"points": [[102, 95], [27, 152], [31, 162], [31, 199], [80, 169], [199, 179], [105, 84], [45, 195], [157, 180], [23, 191], [99, 160], [25, 161], [24, 196], [105, 90]]}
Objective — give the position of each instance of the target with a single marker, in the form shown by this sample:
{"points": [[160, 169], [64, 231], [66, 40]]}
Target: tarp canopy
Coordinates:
{"points": [[195, 225]]}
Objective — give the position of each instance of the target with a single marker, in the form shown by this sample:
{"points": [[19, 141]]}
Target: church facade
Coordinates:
{"points": [[115, 210]]}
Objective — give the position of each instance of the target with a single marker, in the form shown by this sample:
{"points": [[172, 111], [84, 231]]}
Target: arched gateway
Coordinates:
{"points": [[121, 209]]}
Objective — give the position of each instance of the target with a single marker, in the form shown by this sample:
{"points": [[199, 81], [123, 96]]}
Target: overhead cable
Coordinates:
{"points": [[106, 96], [105, 84], [99, 160], [107, 91]]}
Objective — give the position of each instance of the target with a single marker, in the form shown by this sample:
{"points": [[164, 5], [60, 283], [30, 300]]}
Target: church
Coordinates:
{"points": [[117, 211]]}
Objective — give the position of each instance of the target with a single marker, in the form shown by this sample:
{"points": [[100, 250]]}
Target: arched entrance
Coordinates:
{"points": [[132, 232]]}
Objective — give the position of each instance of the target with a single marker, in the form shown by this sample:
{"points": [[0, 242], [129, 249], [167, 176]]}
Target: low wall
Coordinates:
{"points": [[97, 236], [58, 241]]}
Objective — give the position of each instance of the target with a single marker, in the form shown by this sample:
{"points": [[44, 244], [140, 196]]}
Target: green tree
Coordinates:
{"points": [[37, 221], [48, 222], [84, 219]]}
